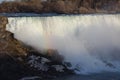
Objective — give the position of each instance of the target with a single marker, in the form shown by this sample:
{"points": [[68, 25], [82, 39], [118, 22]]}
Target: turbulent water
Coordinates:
{"points": [[91, 43]]}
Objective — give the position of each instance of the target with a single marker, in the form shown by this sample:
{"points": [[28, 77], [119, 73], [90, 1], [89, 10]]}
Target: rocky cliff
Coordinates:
{"points": [[9, 45], [62, 6]]}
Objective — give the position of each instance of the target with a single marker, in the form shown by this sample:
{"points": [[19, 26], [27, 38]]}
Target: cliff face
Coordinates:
{"points": [[62, 6], [9, 45]]}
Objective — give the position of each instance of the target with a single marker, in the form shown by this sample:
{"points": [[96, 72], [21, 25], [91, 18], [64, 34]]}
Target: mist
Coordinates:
{"points": [[91, 43]]}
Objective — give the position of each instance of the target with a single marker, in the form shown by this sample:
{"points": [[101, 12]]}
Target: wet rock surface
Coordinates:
{"points": [[15, 68], [61, 6]]}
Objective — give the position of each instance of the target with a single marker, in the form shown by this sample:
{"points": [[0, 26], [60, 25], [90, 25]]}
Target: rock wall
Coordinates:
{"points": [[62, 6], [9, 45]]}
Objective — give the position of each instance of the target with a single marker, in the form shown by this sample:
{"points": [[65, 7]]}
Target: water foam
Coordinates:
{"points": [[91, 43]]}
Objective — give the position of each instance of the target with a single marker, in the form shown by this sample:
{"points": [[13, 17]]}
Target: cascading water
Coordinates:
{"points": [[91, 43]]}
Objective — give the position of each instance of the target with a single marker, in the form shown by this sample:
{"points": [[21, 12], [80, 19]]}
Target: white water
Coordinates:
{"points": [[90, 42]]}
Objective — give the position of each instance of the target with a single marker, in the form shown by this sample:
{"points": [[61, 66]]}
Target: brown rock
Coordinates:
{"points": [[54, 55], [118, 8], [64, 7], [83, 10], [9, 45]]}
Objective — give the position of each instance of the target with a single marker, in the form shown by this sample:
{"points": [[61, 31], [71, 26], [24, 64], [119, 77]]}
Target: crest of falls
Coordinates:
{"points": [[91, 43]]}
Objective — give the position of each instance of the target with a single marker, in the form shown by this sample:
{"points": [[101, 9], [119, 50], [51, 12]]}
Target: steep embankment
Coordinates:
{"points": [[62, 6]]}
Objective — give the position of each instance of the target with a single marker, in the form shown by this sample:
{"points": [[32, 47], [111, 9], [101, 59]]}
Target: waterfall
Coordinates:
{"points": [[91, 43]]}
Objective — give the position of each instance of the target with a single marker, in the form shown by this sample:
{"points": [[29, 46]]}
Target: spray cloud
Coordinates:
{"points": [[90, 42]]}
